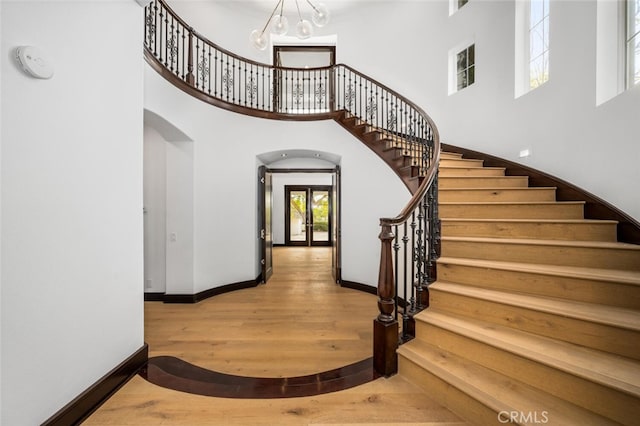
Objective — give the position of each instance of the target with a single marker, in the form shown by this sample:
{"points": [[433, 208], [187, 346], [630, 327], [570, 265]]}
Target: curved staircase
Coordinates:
{"points": [[535, 316]]}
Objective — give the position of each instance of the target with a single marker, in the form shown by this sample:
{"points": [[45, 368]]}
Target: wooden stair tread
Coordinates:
{"points": [[493, 389], [607, 369], [563, 221], [558, 243], [507, 177], [601, 314], [467, 167], [452, 155], [509, 203], [504, 188], [464, 161], [611, 275]]}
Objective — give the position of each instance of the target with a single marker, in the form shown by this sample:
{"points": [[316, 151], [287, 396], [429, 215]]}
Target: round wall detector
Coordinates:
{"points": [[34, 62]]}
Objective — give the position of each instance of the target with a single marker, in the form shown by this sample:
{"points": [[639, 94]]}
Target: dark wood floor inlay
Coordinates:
{"points": [[174, 373]]}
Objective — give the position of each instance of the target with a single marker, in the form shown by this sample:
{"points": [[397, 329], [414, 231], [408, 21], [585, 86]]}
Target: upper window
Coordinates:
{"points": [[532, 45], [454, 5], [633, 42], [465, 67], [538, 42]]}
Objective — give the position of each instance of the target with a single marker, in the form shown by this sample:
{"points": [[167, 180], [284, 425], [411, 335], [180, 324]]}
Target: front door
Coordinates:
{"points": [[308, 215]]}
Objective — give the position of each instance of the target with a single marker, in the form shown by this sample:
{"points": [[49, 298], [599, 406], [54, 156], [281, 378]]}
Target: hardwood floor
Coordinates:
{"points": [[299, 323]]}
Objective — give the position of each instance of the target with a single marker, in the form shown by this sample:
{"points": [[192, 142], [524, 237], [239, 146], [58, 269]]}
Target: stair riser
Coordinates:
{"points": [[410, 171], [485, 182], [584, 290], [399, 143], [584, 393], [588, 257], [592, 231], [512, 211], [594, 335], [371, 136], [400, 160], [448, 162], [450, 155], [470, 171], [449, 396], [491, 195]]}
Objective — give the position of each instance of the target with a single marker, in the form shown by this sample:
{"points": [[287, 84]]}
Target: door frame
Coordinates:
{"points": [[337, 213], [308, 242], [277, 81]]}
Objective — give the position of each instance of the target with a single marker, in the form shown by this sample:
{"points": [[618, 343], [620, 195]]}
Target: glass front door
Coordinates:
{"points": [[308, 215]]}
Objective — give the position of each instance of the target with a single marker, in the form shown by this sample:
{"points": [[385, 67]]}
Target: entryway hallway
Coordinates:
{"points": [[299, 323]]}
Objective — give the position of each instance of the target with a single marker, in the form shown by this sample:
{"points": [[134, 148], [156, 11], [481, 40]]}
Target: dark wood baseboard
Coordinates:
{"points": [[279, 245], [357, 286], [153, 297], [91, 399], [595, 207], [198, 297]]}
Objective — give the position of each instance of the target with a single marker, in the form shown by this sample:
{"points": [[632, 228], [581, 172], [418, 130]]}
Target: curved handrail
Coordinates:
{"points": [[405, 135]]}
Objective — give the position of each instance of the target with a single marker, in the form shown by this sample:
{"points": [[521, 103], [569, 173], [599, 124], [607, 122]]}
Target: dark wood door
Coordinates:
{"points": [[335, 229], [265, 197]]}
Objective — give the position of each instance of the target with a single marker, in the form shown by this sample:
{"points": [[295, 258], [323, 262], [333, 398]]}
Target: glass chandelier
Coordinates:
{"points": [[280, 24]]}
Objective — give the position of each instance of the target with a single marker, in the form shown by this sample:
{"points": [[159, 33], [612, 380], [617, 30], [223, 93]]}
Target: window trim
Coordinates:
{"points": [[629, 38], [522, 63], [453, 65], [531, 26]]}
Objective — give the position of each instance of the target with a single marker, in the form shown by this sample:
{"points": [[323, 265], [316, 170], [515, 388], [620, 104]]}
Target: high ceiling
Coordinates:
{"points": [[267, 6]]}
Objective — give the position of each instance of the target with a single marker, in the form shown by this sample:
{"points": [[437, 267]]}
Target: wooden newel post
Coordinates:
{"points": [[190, 78], [385, 327]]}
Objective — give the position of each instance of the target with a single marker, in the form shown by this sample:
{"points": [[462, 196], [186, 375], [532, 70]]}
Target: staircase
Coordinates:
{"points": [[535, 316], [401, 154]]}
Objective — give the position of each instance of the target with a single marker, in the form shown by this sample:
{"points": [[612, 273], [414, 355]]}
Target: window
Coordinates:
{"points": [[633, 42], [538, 42], [465, 67], [532, 45], [462, 66], [454, 5]]}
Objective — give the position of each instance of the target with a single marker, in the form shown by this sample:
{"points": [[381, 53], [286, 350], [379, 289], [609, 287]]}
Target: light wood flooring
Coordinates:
{"points": [[299, 323]]}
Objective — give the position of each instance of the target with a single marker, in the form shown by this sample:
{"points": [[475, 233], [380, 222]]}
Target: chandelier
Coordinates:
{"points": [[280, 24]]}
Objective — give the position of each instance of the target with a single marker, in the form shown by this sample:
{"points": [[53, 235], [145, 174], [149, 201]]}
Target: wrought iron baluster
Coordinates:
{"points": [[216, 76], [413, 256], [405, 312], [235, 78], [155, 28], [165, 21]]}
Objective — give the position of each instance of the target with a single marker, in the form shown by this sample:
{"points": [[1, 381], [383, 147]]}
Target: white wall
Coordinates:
{"points": [[180, 217], [279, 200], [155, 211], [71, 202], [225, 172], [594, 147]]}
